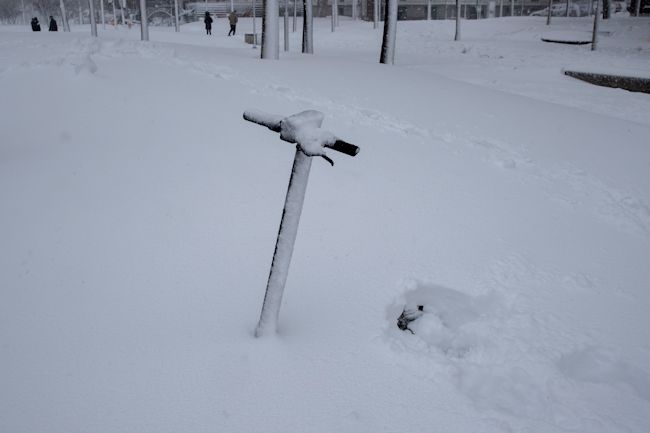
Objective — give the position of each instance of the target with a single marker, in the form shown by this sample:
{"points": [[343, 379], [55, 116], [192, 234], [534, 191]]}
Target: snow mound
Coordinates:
{"points": [[472, 338], [451, 319]]}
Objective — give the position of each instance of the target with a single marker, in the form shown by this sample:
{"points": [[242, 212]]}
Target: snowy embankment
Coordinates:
{"points": [[140, 212]]}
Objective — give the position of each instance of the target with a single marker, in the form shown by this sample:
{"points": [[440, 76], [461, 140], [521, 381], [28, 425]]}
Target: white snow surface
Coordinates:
{"points": [[139, 214]]}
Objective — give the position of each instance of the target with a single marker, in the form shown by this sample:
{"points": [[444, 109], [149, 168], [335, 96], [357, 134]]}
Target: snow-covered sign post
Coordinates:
{"points": [[304, 129]]}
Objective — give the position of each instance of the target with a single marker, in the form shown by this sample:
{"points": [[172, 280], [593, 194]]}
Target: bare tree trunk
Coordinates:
{"points": [[64, 17], [568, 5], [607, 9], [333, 15], [307, 27], [177, 24], [144, 24], [101, 3], [390, 32], [512, 8], [548, 15], [336, 13], [637, 9], [286, 25], [270, 30], [93, 23], [594, 36], [428, 10], [457, 35], [375, 13], [254, 24]]}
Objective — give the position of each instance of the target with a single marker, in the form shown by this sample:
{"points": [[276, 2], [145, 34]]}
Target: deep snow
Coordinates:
{"points": [[139, 214]]}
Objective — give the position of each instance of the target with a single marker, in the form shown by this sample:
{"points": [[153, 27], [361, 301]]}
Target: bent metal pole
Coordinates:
{"points": [[304, 130]]}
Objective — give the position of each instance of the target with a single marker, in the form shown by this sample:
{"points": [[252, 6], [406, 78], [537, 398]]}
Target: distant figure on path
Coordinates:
{"points": [[53, 26], [208, 23], [232, 17], [36, 27]]}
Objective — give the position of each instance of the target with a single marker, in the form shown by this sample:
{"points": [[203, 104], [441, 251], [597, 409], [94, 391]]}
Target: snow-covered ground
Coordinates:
{"points": [[139, 215]]}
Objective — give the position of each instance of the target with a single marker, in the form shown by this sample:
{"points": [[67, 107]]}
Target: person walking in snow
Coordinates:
{"points": [[232, 17], [36, 27], [53, 26], [208, 23]]}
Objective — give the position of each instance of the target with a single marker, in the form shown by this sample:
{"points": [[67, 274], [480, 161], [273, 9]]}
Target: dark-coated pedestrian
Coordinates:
{"points": [[36, 27], [53, 26], [208, 23]]}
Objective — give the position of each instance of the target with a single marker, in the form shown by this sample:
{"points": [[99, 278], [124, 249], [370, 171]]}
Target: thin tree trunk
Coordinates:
{"points": [[144, 24], [457, 35], [512, 8], [102, 11], [390, 32], [568, 5], [177, 24], [594, 36], [336, 13], [548, 15], [307, 27], [333, 15], [375, 13], [270, 30], [428, 10], [93, 23], [286, 25], [254, 24], [64, 17]]}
